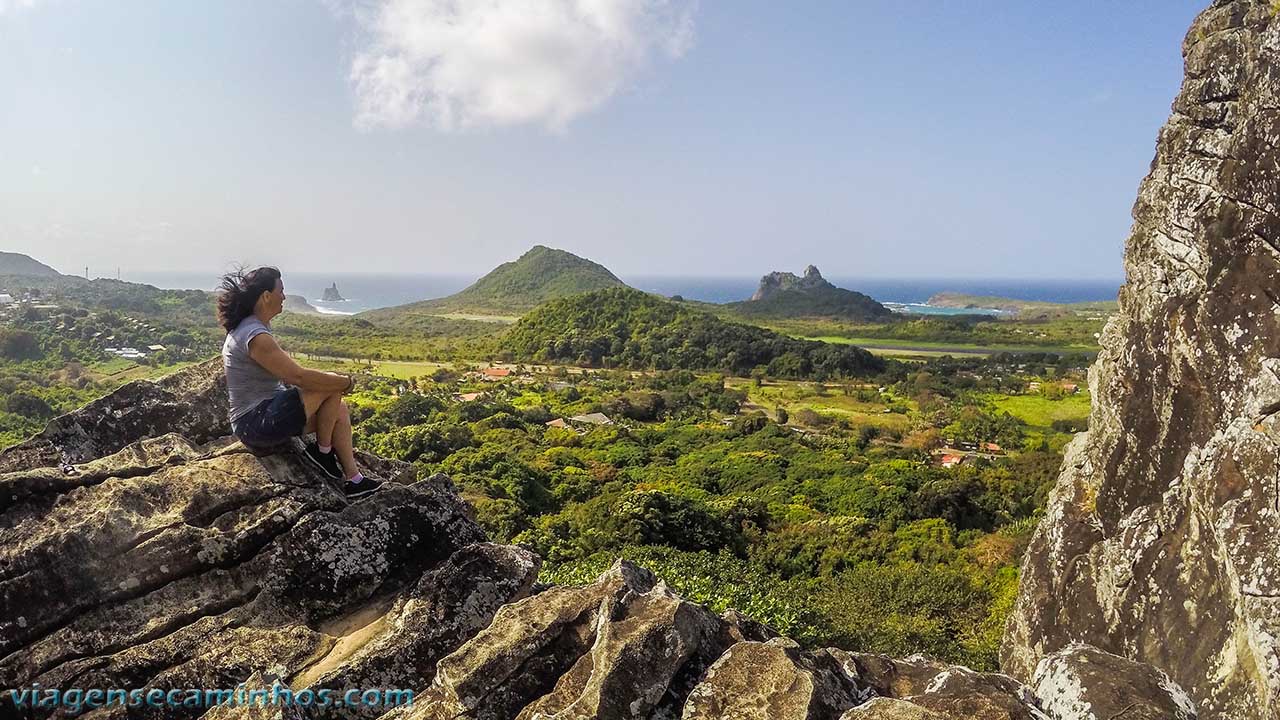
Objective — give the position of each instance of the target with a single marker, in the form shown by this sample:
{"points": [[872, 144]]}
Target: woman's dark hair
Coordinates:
{"points": [[240, 291]]}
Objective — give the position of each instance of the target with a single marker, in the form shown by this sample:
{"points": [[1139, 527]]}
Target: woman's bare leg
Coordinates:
{"points": [[341, 434], [329, 418], [322, 414]]}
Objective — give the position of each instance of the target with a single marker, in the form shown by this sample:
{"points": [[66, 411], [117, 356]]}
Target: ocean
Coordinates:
{"points": [[360, 291], [905, 294], [368, 291]]}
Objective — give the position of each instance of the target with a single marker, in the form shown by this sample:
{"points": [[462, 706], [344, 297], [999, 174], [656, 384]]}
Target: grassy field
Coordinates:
{"points": [[399, 369], [500, 319], [121, 370], [1038, 411], [961, 300], [403, 370], [110, 367], [925, 348], [914, 351], [829, 399]]}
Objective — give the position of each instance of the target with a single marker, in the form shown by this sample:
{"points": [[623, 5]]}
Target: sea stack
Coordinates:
{"points": [[331, 294], [784, 295], [777, 281]]}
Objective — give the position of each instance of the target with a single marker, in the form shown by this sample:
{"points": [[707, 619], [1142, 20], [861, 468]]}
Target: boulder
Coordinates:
{"points": [[883, 708], [1081, 681], [774, 679], [952, 691], [192, 404], [623, 646]]}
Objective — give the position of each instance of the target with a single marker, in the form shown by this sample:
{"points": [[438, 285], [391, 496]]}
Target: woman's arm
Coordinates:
{"points": [[265, 351]]}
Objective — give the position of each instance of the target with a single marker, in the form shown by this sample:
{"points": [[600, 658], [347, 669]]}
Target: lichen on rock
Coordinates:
{"points": [[1160, 540]]}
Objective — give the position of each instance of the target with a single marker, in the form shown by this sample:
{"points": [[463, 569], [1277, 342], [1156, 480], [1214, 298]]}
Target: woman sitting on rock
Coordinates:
{"points": [[266, 412]]}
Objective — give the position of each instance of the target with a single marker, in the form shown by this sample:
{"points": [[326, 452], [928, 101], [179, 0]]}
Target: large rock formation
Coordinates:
{"points": [[780, 281], [1161, 542], [782, 295], [142, 548]]}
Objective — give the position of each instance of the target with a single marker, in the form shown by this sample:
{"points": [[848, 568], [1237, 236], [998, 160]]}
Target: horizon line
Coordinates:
{"points": [[1120, 279]]}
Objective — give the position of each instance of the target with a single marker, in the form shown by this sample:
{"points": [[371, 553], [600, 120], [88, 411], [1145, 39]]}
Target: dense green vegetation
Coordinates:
{"points": [[823, 521], [190, 310], [799, 482], [420, 337], [51, 361], [622, 327]]}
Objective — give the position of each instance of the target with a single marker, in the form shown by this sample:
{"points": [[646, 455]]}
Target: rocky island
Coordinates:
{"points": [[331, 294], [779, 281], [785, 295]]}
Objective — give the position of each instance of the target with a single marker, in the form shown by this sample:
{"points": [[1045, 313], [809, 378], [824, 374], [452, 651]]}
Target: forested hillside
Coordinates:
{"points": [[622, 327]]}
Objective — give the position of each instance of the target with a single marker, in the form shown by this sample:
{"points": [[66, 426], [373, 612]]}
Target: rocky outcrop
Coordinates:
{"points": [[778, 281], [298, 304], [331, 294], [783, 295], [1084, 682], [192, 404], [1161, 538], [166, 560]]}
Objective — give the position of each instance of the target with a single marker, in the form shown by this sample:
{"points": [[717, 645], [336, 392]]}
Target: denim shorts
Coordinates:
{"points": [[273, 420]]}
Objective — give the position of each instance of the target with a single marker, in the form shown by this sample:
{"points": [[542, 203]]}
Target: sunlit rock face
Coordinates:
{"points": [[1161, 542]]}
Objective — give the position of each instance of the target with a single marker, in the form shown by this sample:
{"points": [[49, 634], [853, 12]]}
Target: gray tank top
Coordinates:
{"points": [[248, 383]]}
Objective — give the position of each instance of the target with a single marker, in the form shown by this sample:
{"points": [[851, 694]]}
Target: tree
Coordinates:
{"points": [[18, 344], [26, 404], [923, 440]]}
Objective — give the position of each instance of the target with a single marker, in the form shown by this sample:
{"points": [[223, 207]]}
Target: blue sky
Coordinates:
{"points": [[928, 139]]}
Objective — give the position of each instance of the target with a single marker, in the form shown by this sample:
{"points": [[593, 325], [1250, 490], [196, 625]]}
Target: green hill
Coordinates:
{"points": [[624, 327], [19, 264], [783, 295], [539, 275]]}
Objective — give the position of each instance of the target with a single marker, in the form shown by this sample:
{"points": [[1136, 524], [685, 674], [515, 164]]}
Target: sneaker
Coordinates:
{"points": [[366, 486], [327, 462]]}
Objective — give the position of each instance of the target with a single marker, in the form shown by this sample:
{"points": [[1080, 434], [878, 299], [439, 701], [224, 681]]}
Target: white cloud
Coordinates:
{"points": [[15, 5], [461, 64]]}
